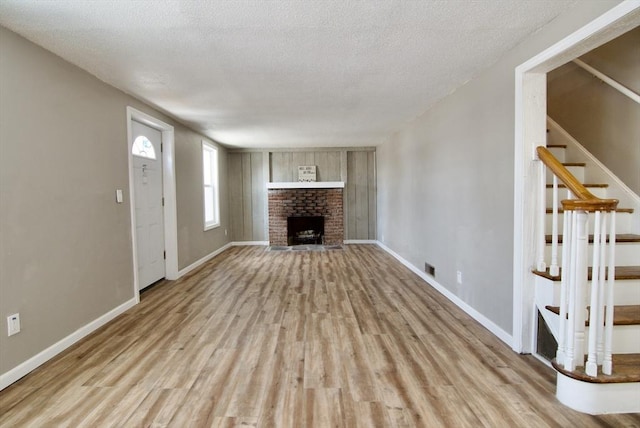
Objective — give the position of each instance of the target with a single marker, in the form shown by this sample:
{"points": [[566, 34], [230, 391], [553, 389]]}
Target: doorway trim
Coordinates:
{"points": [[530, 132], [168, 192]]}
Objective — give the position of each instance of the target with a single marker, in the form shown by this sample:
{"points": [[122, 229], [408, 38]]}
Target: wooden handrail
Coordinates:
{"points": [[585, 201]]}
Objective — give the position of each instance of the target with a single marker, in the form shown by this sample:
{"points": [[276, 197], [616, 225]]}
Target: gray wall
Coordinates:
{"points": [[604, 121], [445, 183], [249, 171], [65, 245], [193, 242], [619, 59]]}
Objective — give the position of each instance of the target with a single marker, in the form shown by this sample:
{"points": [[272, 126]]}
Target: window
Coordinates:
{"points": [[142, 147], [210, 181]]}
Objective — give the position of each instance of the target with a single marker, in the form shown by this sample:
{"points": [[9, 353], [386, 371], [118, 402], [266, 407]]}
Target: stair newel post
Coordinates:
{"points": [[542, 210], [553, 269], [570, 268], [581, 266], [564, 288], [591, 367], [607, 363]]}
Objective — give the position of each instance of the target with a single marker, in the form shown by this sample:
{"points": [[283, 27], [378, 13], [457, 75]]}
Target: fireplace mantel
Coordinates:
{"points": [[307, 185]]}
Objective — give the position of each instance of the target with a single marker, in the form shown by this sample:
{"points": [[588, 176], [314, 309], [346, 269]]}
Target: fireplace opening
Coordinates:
{"points": [[308, 230]]}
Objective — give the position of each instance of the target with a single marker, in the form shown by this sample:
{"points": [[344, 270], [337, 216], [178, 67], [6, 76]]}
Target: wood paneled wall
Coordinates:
{"points": [[249, 171], [360, 196], [247, 197], [284, 165]]}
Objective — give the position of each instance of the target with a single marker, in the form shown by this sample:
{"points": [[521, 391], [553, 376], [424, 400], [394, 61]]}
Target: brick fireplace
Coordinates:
{"points": [[306, 202]]}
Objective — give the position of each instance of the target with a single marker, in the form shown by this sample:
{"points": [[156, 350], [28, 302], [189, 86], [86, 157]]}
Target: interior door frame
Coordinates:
{"points": [[530, 132], [168, 192]]}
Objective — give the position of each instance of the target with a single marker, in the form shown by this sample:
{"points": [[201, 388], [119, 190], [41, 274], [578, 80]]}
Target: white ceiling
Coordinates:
{"points": [[282, 73]]}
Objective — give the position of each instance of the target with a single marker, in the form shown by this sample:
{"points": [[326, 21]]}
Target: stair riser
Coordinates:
{"points": [[626, 338], [624, 223], [595, 398], [577, 171], [627, 254], [600, 192], [626, 291], [554, 136], [559, 153]]}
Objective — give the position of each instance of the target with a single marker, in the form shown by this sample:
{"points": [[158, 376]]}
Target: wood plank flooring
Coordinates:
{"points": [[342, 338]]}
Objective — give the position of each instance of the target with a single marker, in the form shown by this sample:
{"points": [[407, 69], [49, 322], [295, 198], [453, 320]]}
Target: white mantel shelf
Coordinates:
{"points": [[306, 185]]}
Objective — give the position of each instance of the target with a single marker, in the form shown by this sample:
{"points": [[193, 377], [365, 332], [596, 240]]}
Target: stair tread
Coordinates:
{"points": [[596, 185], [626, 368], [620, 237], [574, 163], [622, 314], [622, 272], [618, 210], [556, 146]]}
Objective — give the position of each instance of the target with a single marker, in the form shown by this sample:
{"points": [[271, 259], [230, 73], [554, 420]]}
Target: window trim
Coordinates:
{"points": [[215, 180]]}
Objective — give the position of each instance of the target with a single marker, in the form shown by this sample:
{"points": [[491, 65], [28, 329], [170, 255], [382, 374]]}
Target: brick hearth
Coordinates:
{"points": [[284, 203]]}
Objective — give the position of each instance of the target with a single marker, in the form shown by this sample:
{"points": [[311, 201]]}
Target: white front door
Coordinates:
{"points": [[147, 171]]}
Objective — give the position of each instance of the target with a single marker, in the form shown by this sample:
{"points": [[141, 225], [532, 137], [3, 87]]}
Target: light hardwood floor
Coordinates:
{"points": [[293, 339]]}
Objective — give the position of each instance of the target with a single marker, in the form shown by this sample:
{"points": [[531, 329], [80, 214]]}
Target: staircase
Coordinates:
{"points": [[595, 393]]}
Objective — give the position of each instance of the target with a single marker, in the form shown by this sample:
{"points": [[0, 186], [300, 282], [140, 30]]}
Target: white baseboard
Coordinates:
{"points": [[484, 321], [31, 364], [247, 243], [34, 362], [208, 257], [360, 241], [203, 260]]}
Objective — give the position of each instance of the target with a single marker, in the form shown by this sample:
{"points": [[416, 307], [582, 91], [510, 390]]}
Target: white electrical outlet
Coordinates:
{"points": [[459, 277], [13, 324]]}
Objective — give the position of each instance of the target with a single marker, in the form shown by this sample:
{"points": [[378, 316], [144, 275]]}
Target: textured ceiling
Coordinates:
{"points": [[283, 73]]}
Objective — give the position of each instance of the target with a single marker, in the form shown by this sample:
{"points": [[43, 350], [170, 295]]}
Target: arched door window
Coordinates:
{"points": [[142, 147]]}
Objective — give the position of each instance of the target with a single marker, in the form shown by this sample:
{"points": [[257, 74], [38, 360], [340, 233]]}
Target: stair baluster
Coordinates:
{"points": [[607, 362], [553, 268], [540, 262], [564, 292], [602, 290]]}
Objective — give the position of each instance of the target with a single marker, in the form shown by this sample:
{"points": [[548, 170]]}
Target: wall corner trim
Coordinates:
{"points": [[37, 360], [483, 320]]}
